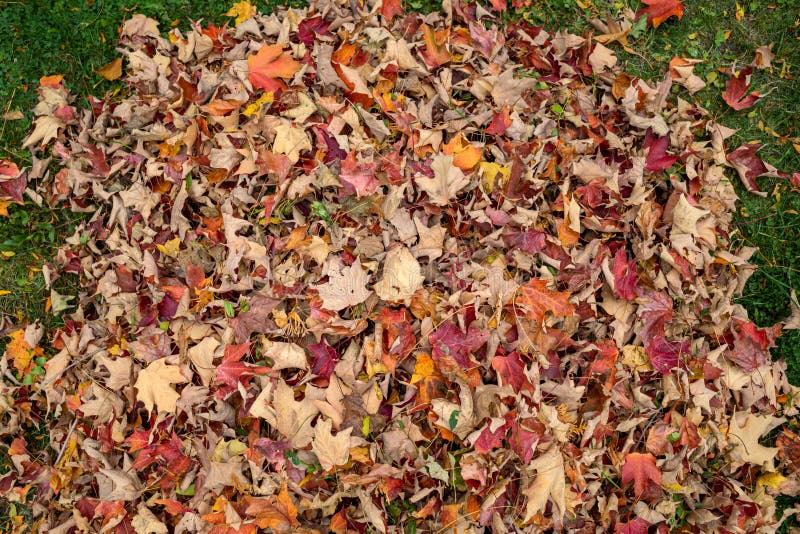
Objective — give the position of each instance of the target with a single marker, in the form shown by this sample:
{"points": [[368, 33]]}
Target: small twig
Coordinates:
{"points": [[66, 441]]}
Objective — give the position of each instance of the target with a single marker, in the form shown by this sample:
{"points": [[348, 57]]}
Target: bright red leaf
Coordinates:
{"points": [[640, 469], [657, 11], [735, 93]]}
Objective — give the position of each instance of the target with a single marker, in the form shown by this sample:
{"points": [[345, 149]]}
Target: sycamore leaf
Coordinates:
{"points": [[346, 286], [447, 181], [331, 451], [154, 385], [269, 64], [540, 301], [658, 11], [642, 470]]}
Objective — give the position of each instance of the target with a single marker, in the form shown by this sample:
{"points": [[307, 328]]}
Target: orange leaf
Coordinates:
{"points": [[660, 10], [276, 512], [641, 469], [465, 154], [18, 350], [268, 64], [540, 301], [435, 52]]}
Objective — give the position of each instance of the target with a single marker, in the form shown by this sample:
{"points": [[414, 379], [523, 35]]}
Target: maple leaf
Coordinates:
{"points": [[636, 526], [346, 286], [242, 11], [290, 417], [751, 349], [435, 52], [276, 512], [548, 484], [269, 64], [154, 385], [642, 470], [625, 275], [449, 340], [19, 351], [735, 93], [447, 180], [391, 8], [658, 11], [358, 177], [749, 166], [331, 451], [112, 70], [511, 370], [657, 158], [541, 302]]}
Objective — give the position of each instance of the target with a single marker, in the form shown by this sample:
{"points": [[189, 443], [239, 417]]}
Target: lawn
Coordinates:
{"points": [[74, 38]]}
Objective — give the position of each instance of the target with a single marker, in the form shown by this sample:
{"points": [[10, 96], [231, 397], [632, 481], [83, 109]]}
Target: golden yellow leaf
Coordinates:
{"points": [[170, 248], [242, 11], [112, 70], [773, 480]]}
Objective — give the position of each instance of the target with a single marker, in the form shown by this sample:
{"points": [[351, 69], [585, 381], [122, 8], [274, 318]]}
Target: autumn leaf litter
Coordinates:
{"points": [[348, 269]]}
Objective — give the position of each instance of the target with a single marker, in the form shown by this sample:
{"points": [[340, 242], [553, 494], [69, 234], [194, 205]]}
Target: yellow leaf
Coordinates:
{"points": [[424, 368], [112, 70], [242, 11], [773, 480], [170, 248], [4, 292], [4, 204], [636, 358], [490, 172], [739, 12]]}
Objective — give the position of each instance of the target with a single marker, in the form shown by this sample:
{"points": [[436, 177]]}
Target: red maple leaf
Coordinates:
{"points": [[735, 93], [625, 275], [642, 470], [511, 370], [660, 10], [751, 348], [358, 177], [666, 355], [657, 158], [269, 64], [637, 526], [749, 166], [449, 340], [391, 8]]}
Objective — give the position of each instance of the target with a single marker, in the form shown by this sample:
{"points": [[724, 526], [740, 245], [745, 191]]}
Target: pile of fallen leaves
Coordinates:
{"points": [[349, 269]]}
